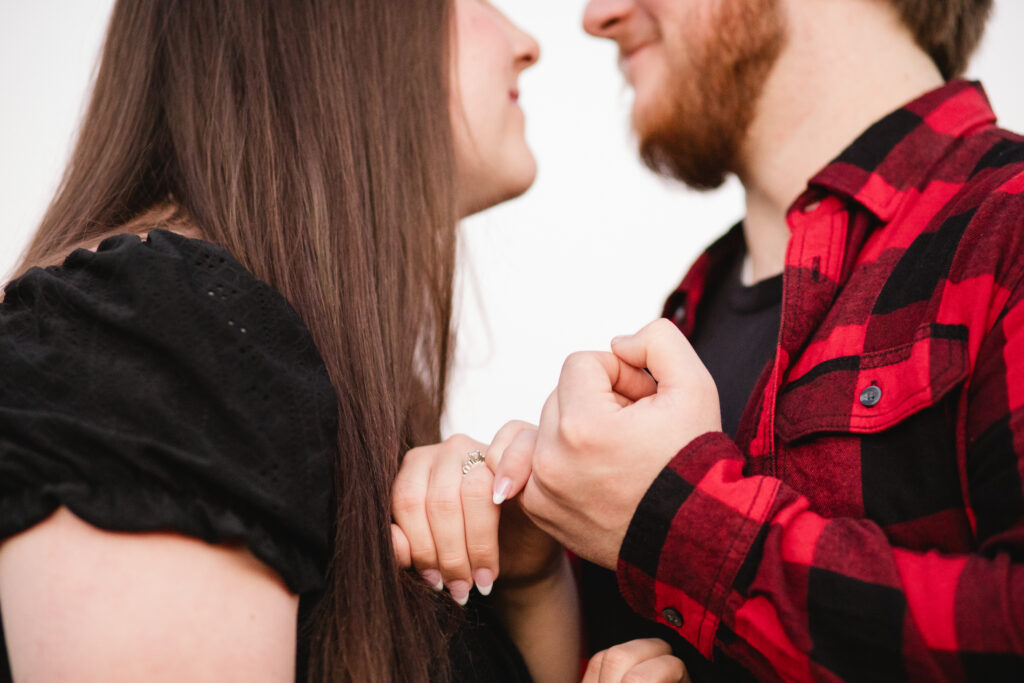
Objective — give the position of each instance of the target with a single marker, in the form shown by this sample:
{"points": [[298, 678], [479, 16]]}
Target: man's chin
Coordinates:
{"points": [[649, 119], [693, 158]]}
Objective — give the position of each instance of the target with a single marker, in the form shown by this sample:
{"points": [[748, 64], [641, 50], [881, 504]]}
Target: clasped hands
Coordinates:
{"points": [[574, 480]]}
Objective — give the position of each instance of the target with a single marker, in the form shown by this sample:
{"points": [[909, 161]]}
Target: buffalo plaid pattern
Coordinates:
{"points": [[868, 521]]}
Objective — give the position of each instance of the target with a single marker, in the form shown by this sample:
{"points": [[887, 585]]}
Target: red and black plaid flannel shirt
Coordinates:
{"points": [[868, 521]]}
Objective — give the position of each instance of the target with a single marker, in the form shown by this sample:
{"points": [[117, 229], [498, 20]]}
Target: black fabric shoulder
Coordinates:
{"points": [[158, 386]]}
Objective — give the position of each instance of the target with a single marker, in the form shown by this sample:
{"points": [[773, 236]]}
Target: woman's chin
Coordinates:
{"points": [[512, 186]]}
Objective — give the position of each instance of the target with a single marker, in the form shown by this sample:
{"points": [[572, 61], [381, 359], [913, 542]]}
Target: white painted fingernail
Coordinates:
{"points": [[484, 581], [459, 591], [501, 490], [433, 577]]}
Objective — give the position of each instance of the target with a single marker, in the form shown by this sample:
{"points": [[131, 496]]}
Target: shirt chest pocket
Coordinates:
{"points": [[874, 436], [874, 391]]}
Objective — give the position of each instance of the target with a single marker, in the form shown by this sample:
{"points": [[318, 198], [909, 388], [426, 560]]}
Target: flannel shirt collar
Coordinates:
{"points": [[879, 170], [895, 155]]}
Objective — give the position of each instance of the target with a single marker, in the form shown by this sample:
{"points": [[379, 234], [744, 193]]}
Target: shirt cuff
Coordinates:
{"points": [[690, 536]]}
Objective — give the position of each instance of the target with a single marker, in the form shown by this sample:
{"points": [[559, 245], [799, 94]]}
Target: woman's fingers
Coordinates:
{"points": [[510, 457], [618, 660], [447, 526], [663, 669], [648, 660], [409, 509], [446, 523], [401, 546], [517, 463], [502, 439], [593, 672], [481, 517]]}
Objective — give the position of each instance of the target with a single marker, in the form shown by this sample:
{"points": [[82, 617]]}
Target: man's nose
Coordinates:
{"points": [[603, 18]]}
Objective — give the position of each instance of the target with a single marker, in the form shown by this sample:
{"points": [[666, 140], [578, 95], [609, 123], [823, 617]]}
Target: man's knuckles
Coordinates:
{"points": [[579, 362], [577, 430], [664, 330], [555, 473], [536, 503]]}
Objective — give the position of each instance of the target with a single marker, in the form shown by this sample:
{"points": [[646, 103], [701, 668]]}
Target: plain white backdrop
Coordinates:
{"points": [[588, 253]]}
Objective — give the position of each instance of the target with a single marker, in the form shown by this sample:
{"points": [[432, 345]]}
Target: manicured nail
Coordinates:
{"points": [[459, 591], [433, 577], [484, 580], [501, 490]]}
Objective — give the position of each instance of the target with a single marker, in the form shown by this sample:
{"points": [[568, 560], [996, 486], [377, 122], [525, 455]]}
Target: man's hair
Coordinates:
{"points": [[948, 30]]}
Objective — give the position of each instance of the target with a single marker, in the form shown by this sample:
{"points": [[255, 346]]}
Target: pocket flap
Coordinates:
{"points": [[874, 391]]}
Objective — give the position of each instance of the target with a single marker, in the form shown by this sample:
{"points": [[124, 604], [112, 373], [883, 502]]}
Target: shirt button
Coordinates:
{"points": [[672, 616], [870, 396]]}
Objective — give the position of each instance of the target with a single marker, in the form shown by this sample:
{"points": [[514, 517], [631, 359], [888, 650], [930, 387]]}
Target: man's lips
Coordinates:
{"points": [[630, 50], [627, 54]]}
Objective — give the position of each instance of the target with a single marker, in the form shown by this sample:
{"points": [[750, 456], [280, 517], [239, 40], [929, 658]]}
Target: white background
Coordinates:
{"points": [[588, 253]]}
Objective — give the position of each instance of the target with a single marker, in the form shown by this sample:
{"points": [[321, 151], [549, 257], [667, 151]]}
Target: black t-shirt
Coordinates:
{"points": [[735, 335], [158, 386], [736, 331]]}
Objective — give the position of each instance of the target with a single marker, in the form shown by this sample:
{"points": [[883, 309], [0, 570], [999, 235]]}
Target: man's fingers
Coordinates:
{"points": [[633, 382], [515, 465], [601, 379], [588, 373], [481, 522], [661, 348]]}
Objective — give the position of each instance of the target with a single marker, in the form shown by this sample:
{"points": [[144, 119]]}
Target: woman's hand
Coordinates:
{"points": [[447, 524], [647, 660], [528, 554], [449, 528]]}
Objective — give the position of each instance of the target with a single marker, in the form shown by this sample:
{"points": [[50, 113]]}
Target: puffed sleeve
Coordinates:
{"points": [[158, 386]]}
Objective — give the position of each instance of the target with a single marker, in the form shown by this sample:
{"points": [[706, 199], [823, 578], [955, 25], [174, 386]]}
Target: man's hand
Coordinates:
{"points": [[605, 433]]}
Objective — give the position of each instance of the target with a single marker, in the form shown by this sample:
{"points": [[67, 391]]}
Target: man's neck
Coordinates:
{"points": [[845, 66]]}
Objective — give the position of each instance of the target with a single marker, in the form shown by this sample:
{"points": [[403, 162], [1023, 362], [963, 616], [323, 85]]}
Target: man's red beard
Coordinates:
{"points": [[696, 134]]}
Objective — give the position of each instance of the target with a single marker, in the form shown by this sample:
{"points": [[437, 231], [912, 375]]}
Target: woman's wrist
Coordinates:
{"points": [[517, 592], [543, 618]]}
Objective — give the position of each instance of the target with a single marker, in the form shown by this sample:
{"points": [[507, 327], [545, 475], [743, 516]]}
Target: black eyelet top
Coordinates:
{"points": [[156, 385]]}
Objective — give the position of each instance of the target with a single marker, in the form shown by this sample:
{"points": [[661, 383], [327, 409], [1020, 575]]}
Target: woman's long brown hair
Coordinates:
{"points": [[312, 139]]}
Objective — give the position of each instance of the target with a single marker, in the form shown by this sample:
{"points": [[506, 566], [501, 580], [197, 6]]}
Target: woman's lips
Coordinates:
{"points": [[514, 95]]}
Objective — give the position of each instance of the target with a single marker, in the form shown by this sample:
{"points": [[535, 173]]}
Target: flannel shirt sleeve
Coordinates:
{"points": [[741, 565]]}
